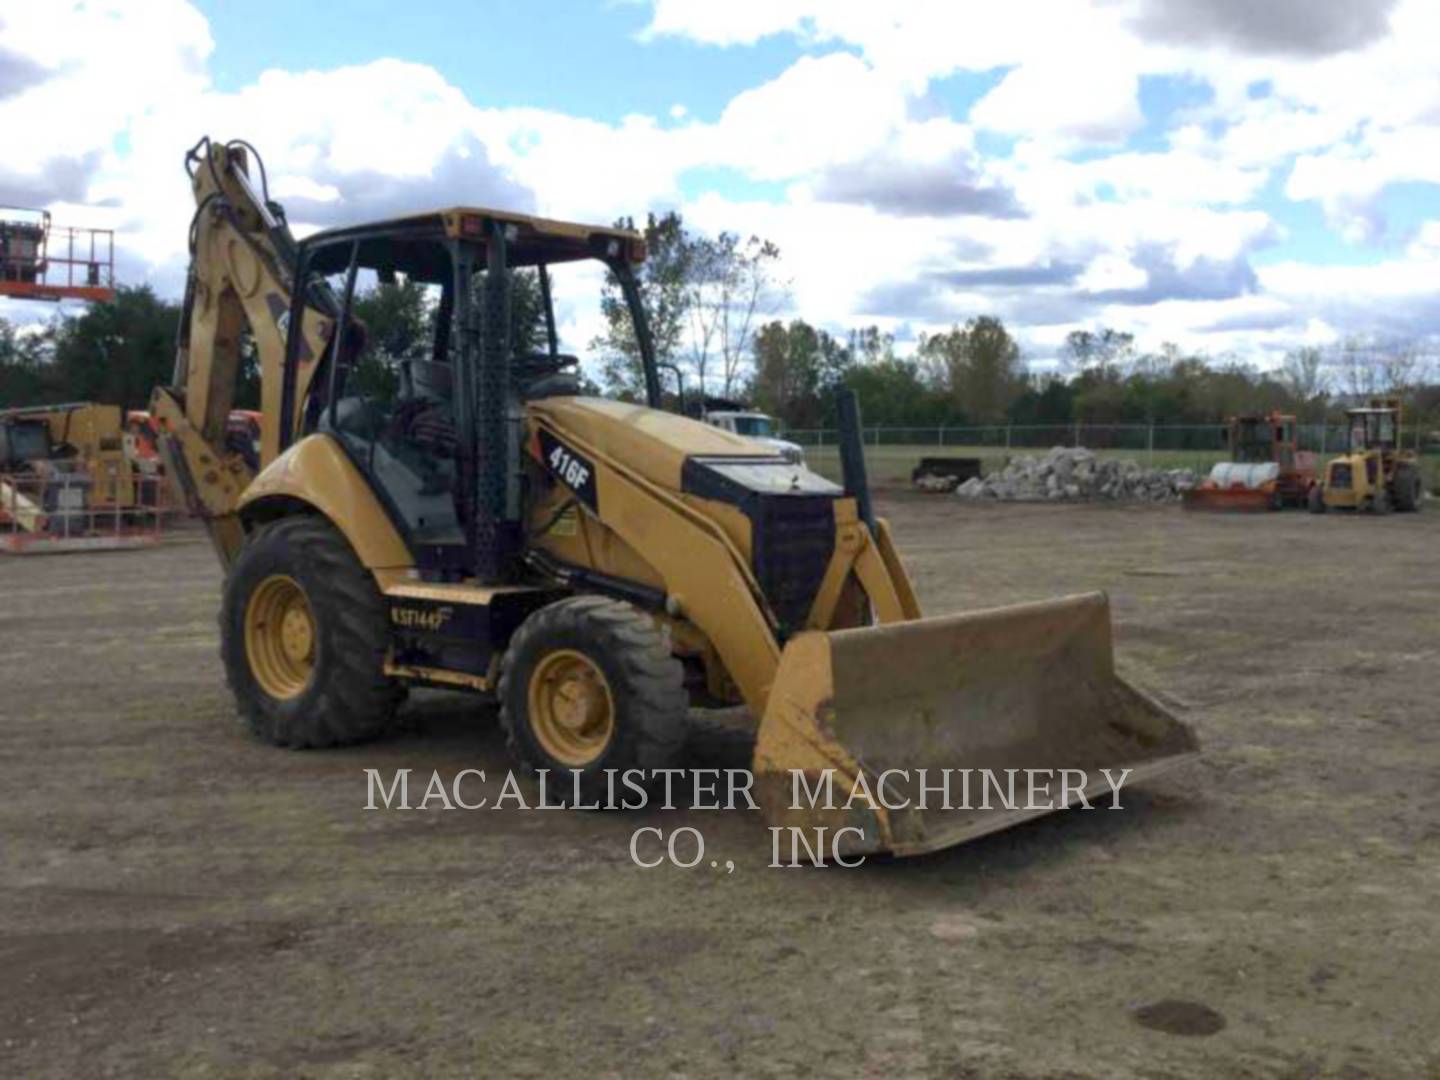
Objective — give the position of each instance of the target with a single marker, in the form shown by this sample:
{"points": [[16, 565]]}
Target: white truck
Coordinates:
{"points": [[756, 425]]}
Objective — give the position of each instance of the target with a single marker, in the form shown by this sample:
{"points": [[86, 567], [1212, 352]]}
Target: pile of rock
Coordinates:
{"points": [[1066, 473], [931, 482]]}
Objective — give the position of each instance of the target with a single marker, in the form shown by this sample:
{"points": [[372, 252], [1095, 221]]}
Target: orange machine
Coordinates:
{"points": [[242, 435], [142, 439], [1266, 469], [142, 442], [39, 261]]}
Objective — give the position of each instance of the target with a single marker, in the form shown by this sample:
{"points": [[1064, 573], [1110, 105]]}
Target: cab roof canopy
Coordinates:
{"points": [[407, 244]]}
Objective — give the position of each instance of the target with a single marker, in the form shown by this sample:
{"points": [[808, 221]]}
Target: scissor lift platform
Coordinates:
{"points": [[43, 261]]}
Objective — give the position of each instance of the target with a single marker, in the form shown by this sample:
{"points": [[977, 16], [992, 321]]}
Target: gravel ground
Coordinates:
{"points": [[178, 900]]}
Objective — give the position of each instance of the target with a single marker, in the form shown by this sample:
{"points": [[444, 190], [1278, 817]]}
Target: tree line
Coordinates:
{"points": [[975, 374], [711, 303], [115, 352]]}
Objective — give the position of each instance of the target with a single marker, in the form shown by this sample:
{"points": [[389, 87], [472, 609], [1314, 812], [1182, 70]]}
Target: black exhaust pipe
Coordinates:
{"points": [[852, 453], [494, 531]]}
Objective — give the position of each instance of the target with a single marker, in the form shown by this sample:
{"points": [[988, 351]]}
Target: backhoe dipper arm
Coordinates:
{"points": [[242, 277]]}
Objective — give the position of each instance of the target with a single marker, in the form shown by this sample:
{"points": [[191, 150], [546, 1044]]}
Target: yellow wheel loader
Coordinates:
{"points": [[453, 512], [1374, 474]]}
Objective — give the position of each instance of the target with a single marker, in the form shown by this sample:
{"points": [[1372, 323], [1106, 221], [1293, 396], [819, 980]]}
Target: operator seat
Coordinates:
{"points": [[541, 375]]}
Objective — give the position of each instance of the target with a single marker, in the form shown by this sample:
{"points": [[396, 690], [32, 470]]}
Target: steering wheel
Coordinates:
{"points": [[537, 365]]}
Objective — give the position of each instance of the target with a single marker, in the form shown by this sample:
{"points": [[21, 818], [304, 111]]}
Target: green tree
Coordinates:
{"points": [[729, 284], [662, 282], [400, 323], [528, 331], [399, 319], [892, 393], [977, 365], [1106, 349], [797, 368], [118, 351], [1047, 399], [1304, 375], [25, 375]]}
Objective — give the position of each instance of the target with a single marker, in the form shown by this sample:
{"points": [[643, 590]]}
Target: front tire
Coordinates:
{"points": [[1315, 501], [304, 633], [588, 684]]}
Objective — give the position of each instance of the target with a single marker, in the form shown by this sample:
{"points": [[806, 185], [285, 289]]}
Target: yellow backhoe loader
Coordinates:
{"points": [[453, 512]]}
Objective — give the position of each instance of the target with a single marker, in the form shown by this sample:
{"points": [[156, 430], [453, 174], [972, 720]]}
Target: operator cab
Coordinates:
{"points": [[1261, 439], [23, 441], [444, 325], [1372, 429]]}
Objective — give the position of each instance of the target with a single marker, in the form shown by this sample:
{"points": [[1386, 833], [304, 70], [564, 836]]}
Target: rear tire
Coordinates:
{"points": [[1408, 488], [1315, 501], [589, 684], [297, 583]]}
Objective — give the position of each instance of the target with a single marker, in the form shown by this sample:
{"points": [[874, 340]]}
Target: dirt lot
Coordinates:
{"points": [[178, 900]]}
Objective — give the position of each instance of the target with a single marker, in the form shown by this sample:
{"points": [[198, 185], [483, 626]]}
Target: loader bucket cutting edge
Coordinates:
{"points": [[1031, 686], [1237, 500]]}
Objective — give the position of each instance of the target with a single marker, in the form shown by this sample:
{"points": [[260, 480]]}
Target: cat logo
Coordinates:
{"points": [[413, 618]]}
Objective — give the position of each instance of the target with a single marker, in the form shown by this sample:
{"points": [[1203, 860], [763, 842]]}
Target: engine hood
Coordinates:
{"points": [[652, 442], [780, 516]]}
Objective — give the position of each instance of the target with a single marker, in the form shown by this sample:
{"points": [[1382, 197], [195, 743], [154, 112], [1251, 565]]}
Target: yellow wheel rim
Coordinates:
{"points": [[572, 711], [280, 636]]}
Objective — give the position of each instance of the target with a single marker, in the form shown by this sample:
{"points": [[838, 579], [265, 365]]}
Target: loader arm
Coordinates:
{"points": [[707, 578], [242, 278], [843, 703]]}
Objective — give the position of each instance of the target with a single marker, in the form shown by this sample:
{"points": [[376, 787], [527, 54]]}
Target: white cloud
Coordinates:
{"points": [[1110, 272], [1348, 178], [1070, 100], [890, 210], [1426, 245], [86, 83], [820, 111]]}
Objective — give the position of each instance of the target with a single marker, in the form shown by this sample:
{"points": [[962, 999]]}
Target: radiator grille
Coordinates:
{"points": [[793, 539]]}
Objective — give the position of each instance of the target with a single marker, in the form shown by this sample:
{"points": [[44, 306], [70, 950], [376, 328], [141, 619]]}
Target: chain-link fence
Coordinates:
{"points": [[893, 451], [1138, 438]]}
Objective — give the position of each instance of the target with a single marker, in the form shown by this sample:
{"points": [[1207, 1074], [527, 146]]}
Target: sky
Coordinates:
{"points": [[1233, 177]]}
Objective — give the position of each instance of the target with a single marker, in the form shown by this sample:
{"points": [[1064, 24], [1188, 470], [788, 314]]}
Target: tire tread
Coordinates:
{"points": [[652, 691], [357, 701]]}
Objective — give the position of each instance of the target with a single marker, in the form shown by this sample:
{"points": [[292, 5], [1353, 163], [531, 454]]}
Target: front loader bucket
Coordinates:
{"points": [[1236, 486], [997, 693], [1228, 500]]}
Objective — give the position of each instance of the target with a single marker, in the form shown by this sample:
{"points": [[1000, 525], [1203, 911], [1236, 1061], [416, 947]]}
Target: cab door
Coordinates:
{"points": [[386, 393]]}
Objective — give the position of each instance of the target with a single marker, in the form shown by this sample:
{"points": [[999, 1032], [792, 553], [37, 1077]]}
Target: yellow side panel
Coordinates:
{"points": [[316, 471], [653, 443]]}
